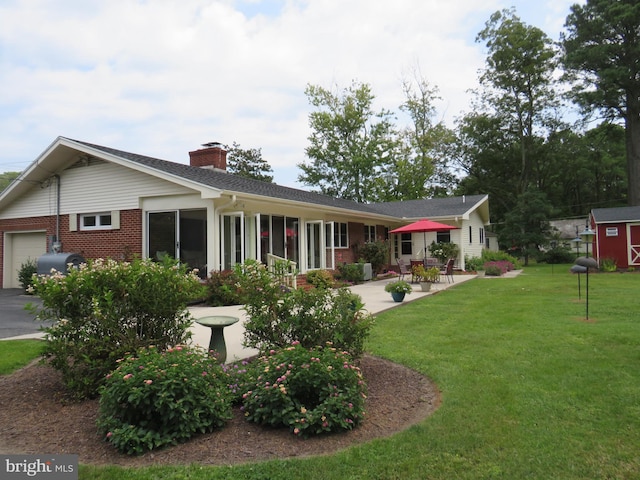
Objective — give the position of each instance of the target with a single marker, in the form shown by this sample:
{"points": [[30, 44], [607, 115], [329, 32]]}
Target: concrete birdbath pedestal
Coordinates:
{"points": [[216, 324]]}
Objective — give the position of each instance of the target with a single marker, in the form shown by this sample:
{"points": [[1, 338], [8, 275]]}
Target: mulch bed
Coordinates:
{"points": [[37, 418]]}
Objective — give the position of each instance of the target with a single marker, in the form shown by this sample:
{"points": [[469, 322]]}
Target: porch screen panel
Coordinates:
{"points": [[265, 237], [314, 245], [278, 236], [292, 234], [232, 241]]}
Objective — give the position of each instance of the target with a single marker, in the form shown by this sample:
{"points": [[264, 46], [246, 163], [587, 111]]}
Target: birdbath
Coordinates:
{"points": [[216, 324]]}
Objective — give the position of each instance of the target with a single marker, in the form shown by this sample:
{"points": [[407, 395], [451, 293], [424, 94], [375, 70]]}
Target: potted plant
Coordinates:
{"points": [[398, 289], [426, 276]]}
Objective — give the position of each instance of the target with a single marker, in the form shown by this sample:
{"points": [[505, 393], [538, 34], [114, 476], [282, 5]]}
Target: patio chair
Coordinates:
{"points": [[447, 270], [404, 269]]}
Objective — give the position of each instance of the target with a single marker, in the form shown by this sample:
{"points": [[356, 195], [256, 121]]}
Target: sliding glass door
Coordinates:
{"points": [[180, 234]]}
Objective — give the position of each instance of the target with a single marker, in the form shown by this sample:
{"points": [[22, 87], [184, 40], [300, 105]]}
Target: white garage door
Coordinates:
{"points": [[20, 247]]}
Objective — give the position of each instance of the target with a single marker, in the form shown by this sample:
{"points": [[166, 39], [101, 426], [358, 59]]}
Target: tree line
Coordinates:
{"points": [[515, 144]]}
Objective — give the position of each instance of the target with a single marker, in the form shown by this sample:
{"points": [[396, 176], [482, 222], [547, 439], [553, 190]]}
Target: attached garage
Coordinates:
{"points": [[18, 248]]}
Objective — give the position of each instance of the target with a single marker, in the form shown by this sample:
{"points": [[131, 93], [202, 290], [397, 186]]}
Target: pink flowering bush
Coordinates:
{"points": [[157, 398], [310, 391], [106, 308], [498, 268], [279, 316]]}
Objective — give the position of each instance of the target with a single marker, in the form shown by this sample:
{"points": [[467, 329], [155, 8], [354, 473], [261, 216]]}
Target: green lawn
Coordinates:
{"points": [[529, 389], [18, 353]]}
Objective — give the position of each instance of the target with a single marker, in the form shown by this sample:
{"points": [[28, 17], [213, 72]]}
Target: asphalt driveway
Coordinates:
{"points": [[14, 319]]}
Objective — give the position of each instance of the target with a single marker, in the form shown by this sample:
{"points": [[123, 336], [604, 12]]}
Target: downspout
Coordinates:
{"points": [[57, 245]]}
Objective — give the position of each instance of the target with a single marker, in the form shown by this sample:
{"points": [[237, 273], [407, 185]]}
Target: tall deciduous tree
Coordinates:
{"points": [[602, 48], [518, 83], [424, 171], [248, 163], [350, 143]]}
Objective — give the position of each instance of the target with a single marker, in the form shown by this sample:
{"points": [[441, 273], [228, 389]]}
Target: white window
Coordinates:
{"points": [[369, 233], [96, 221], [612, 231], [339, 235]]}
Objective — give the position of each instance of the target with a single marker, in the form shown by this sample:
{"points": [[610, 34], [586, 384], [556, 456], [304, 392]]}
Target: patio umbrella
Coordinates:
{"points": [[424, 226]]}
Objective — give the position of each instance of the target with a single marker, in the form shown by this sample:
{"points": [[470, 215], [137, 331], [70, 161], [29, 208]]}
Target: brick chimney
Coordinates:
{"points": [[211, 156]]}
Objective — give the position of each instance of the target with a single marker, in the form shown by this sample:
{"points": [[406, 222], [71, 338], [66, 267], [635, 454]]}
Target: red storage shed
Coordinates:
{"points": [[617, 235]]}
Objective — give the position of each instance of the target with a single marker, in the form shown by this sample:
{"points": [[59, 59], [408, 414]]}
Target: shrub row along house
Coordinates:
{"points": [[101, 202]]}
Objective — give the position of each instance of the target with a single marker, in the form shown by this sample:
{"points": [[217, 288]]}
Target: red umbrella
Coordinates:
{"points": [[424, 225]]}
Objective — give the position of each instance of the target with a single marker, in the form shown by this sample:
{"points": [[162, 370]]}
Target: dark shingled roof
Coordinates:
{"points": [[234, 183], [429, 208], [616, 214], [426, 208]]}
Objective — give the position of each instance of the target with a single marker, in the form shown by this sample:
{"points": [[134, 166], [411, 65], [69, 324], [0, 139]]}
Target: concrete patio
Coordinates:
{"points": [[373, 295]]}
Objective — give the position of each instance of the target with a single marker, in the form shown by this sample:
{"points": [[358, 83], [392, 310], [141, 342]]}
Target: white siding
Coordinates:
{"points": [[472, 247], [95, 188]]}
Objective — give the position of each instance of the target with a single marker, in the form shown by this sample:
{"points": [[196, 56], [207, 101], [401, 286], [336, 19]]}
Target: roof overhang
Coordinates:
{"points": [[63, 153]]}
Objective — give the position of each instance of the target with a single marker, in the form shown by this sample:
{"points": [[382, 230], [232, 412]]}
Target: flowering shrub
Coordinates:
{"points": [[222, 289], [159, 398], [501, 267], [311, 391], [444, 250], [241, 377], [106, 308], [279, 316]]}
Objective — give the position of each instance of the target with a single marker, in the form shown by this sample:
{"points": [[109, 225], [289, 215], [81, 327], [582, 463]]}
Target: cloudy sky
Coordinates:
{"points": [[161, 77]]}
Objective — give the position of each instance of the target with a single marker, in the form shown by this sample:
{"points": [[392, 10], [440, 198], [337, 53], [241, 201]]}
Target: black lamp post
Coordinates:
{"points": [[587, 237], [576, 242]]}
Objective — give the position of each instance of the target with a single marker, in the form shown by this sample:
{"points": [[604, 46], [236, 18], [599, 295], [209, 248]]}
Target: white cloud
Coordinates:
{"points": [[160, 77]]}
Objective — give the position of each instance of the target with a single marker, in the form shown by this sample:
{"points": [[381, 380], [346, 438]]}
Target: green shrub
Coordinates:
{"points": [[558, 255], [474, 263], [278, 316], [376, 253], [25, 274], [320, 278], [222, 289], [351, 272], [498, 256], [608, 265], [158, 398], [106, 308], [311, 391], [492, 270]]}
